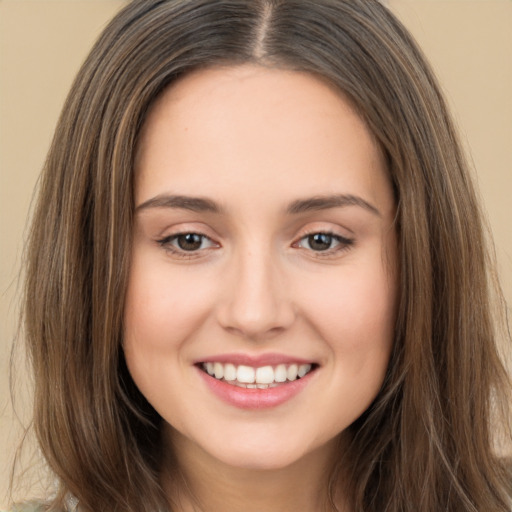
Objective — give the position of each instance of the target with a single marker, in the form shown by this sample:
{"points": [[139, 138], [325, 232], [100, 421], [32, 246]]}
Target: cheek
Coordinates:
{"points": [[355, 311], [356, 323], [163, 304], [164, 308], [364, 301]]}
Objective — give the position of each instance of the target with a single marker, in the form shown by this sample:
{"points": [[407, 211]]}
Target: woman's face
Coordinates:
{"points": [[261, 299]]}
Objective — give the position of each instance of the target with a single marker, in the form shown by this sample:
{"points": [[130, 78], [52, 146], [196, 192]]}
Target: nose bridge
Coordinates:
{"points": [[256, 302]]}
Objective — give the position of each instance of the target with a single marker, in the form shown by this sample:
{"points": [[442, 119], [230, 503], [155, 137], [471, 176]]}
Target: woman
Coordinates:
{"points": [[257, 277]]}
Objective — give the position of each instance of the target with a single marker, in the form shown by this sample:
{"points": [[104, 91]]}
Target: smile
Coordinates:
{"points": [[263, 377], [251, 382]]}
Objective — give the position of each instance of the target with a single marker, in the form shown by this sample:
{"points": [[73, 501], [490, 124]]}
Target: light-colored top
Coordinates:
{"points": [[39, 506], [27, 507]]}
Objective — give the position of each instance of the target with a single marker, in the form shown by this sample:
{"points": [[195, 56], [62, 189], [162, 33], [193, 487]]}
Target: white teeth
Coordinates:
{"points": [[218, 369], [245, 374], [262, 378], [303, 369], [230, 372], [292, 371], [265, 375], [280, 373]]}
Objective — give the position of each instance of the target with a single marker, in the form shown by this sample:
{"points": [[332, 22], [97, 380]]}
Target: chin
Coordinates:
{"points": [[267, 453], [272, 460]]}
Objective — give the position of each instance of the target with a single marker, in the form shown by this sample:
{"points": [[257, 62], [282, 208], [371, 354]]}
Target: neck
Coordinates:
{"points": [[197, 482]]}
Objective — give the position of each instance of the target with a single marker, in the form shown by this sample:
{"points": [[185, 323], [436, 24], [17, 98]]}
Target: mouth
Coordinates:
{"points": [[261, 377]]}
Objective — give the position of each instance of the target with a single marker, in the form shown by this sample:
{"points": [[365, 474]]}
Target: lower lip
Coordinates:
{"points": [[247, 398]]}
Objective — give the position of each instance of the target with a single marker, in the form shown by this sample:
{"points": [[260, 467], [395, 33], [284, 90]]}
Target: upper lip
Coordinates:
{"points": [[254, 360]]}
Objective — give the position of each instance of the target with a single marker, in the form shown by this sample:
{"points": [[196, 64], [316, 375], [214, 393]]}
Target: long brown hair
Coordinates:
{"points": [[427, 442]]}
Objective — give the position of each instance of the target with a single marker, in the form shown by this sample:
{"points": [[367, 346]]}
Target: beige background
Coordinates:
{"points": [[43, 42]]}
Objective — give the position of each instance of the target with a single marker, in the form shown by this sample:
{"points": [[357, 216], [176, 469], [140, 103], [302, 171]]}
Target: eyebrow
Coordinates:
{"points": [[195, 204], [316, 203]]}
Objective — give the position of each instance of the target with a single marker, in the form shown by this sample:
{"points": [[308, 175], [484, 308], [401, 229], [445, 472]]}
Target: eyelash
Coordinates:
{"points": [[167, 244], [343, 244]]}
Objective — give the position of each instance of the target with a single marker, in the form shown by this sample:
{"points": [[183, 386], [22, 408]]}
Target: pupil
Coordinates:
{"points": [[320, 241], [189, 242]]}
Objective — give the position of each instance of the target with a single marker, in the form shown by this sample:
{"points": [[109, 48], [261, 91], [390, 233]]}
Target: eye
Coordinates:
{"points": [[324, 242], [187, 242]]}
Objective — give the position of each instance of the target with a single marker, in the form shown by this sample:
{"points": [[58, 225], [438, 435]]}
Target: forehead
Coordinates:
{"points": [[253, 94], [270, 128]]}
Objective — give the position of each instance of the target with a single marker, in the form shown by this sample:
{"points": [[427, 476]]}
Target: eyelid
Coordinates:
{"points": [[344, 243], [166, 243]]}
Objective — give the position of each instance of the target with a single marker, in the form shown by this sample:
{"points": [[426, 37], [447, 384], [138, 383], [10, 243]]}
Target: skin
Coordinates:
{"points": [[254, 141]]}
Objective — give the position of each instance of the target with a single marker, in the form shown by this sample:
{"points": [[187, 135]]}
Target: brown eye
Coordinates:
{"points": [[324, 242], [320, 241], [182, 243], [189, 241]]}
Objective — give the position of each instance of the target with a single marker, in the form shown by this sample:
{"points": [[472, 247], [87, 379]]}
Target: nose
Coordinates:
{"points": [[256, 304]]}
